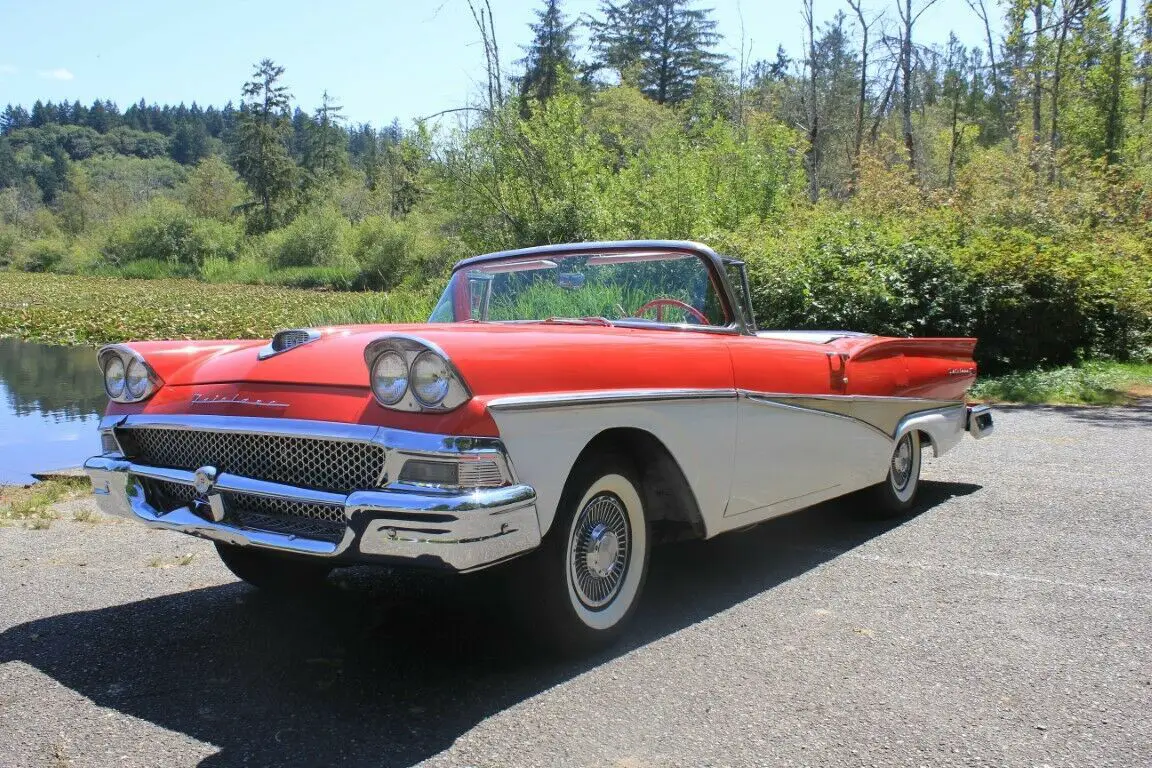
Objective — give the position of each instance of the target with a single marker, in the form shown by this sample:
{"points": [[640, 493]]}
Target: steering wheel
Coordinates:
{"points": [[659, 304]]}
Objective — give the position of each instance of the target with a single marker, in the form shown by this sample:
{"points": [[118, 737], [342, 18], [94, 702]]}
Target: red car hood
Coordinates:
{"points": [[493, 359]]}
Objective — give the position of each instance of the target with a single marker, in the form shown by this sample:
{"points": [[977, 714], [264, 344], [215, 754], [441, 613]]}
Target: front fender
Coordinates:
{"points": [[545, 436]]}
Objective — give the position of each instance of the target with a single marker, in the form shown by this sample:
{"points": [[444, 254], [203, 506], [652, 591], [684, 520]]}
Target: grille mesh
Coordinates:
{"points": [[330, 465], [288, 339], [315, 521]]}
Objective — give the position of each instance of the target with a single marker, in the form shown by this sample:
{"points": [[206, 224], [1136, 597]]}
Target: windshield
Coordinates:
{"points": [[637, 286]]}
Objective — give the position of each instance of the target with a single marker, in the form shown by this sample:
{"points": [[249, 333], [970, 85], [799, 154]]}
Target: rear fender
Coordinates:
{"points": [[934, 369]]}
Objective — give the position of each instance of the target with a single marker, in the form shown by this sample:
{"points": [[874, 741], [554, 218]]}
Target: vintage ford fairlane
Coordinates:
{"points": [[565, 408]]}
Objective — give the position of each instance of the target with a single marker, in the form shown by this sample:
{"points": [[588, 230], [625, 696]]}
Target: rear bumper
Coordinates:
{"points": [[460, 530], [978, 421]]}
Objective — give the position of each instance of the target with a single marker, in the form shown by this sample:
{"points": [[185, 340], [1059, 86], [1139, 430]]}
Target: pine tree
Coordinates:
{"points": [[325, 153], [664, 45], [14, 118], [550, 58], [262, 158], [189, 143]]}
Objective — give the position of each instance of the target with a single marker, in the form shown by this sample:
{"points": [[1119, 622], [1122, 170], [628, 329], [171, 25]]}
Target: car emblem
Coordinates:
{"points": [[237, 399], [204, 480]]}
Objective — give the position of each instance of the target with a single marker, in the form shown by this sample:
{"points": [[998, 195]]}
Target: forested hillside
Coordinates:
{"points": [[997, 187]]}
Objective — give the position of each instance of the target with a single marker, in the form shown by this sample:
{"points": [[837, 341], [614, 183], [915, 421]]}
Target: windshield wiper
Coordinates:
{"points": [[589, 320]]}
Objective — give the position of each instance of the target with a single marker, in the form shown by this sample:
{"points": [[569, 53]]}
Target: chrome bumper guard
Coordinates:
{"points": [[460, 530], [979, 421]]}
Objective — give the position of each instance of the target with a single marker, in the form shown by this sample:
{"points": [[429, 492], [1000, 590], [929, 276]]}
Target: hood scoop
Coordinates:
{"points": [[286, 340]]}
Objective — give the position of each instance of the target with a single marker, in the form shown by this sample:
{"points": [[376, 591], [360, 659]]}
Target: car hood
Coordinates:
{"points": [[494, 359]]}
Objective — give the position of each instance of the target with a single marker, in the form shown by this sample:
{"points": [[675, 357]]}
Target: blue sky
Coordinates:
{"points": [[380, 59]]}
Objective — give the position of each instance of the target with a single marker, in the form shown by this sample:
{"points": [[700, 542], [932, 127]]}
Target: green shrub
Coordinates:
{"points": [[8, 242], [317, 238], [1031, 301], [166, 231], [383, 248], [43, 255]]}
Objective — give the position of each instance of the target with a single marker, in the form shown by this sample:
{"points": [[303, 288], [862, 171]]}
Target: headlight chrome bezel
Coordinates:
{"points": [[129, 361], [411, 349]]}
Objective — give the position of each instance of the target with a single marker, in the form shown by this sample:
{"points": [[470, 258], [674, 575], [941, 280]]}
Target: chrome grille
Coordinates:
{"points": [[330, 465], [297, 518]]}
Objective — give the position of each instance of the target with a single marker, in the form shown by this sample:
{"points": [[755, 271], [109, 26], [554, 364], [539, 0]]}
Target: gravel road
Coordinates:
{"points": [[1008, 623]]}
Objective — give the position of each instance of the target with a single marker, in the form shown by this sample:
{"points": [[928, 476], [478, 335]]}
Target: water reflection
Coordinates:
{"points": [[50, 399]]}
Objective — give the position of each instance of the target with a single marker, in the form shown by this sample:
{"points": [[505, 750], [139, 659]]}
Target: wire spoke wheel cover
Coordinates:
{"points": [[904, 471], [902, 463], [599, 550], [605, 552]]}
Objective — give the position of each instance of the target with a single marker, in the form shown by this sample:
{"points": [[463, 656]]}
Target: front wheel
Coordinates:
{"points": [[270, 571], [586, 578], [897, 494]]}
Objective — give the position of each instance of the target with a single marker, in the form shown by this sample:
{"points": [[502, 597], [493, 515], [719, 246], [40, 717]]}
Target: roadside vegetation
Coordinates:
{"points": [[1097, 383], [31, 506], [997, 188]]}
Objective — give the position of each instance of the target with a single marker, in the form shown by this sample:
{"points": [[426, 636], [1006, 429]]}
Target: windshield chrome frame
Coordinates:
{"points": [[712, 260]]}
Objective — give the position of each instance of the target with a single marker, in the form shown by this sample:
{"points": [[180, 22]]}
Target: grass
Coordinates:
{"points": [[31, 506], [1096, 383], [71, 309]]}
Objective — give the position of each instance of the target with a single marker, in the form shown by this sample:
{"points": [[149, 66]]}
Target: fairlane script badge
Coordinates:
{"points": [[198, 399]]}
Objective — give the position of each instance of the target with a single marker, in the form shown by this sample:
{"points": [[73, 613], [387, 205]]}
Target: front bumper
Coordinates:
{"points": [[459, 530]]}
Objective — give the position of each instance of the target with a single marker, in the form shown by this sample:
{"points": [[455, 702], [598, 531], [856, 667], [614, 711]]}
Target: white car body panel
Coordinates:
{"points": [[544, 440], [746, 456]]}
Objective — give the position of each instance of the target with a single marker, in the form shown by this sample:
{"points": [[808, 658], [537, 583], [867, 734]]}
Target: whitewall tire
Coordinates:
{"points": [[897, 494], [607, 546], [585, 580]]}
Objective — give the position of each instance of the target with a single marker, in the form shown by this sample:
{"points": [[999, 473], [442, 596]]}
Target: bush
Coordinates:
{"points": [[166, 231], [43, 255], [8, 241], [382, 249], [1030, 301], [317, 238]]}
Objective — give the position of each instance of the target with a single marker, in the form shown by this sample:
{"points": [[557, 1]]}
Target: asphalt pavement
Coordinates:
{"points": [[1008, 623]]}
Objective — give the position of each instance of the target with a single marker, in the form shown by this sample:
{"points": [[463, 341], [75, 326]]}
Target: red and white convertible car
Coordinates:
{"points": [[565, 408]]}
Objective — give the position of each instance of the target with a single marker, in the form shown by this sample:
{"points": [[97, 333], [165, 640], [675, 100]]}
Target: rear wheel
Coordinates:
{"points": [[897, 494], [587, 576], [271, 571]]}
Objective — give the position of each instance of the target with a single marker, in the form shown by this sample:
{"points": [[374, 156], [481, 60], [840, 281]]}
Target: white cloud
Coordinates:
{"points": [[56, 74], [8, 69]]}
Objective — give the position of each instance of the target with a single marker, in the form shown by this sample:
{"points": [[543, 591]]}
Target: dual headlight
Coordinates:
{"points": [[411, 375], [127, 378]]}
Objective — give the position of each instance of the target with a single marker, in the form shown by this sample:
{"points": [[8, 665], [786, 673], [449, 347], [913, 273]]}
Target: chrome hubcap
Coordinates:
{"points": [[599, 549], [902, 463]]}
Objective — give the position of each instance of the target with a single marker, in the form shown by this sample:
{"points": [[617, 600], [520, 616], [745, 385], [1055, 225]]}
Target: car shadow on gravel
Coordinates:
{"points": [[388, 669]]}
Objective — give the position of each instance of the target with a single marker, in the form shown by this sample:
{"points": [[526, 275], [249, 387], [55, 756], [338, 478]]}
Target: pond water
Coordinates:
{"points": [[51, 399]]}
